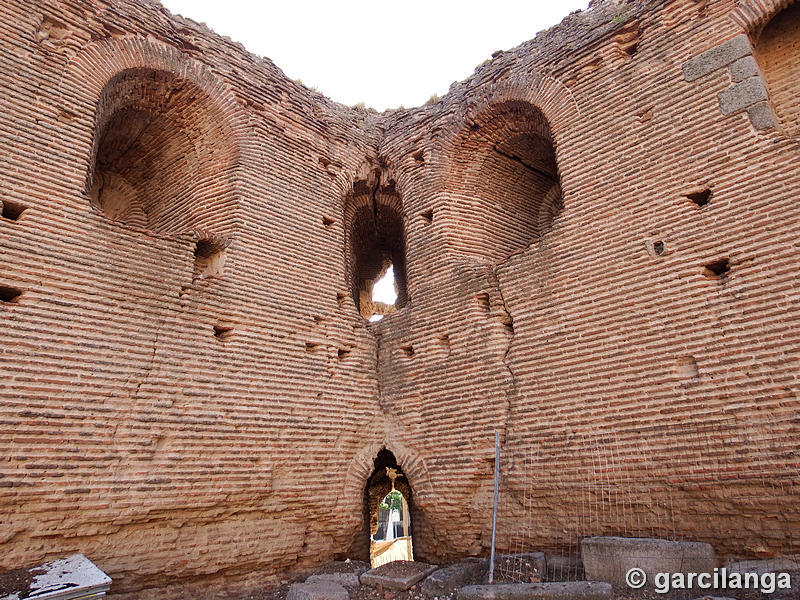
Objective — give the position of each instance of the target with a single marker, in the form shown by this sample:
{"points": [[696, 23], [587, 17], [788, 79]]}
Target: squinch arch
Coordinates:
{"points": [[165, 138]]}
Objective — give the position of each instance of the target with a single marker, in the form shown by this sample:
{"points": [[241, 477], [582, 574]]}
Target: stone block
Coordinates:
{"points": [[716, 58], [772, 565], [573, 590], [741, 95], [399, 575], [319, 590], [610, 558], [761, 116], [343, 572], [743, 68], [458, 575]]}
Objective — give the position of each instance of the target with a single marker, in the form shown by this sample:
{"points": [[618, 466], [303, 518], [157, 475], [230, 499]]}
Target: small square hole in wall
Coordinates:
{"points": [[717, 269], [407, 350], [427, 215], [223, 332], [9, 294], [656, 248], [686, 368], [12, 210], [343, 353], [327, 222], [418, 156], [209, 258], [483, 301], [701, 198]]}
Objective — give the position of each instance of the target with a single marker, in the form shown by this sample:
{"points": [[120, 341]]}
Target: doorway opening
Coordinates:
{"points": [[387, 499]]}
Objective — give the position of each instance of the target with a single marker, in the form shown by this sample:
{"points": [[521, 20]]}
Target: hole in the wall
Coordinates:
{"points": [[340, 298], [717, 269], [686, 368], [209, 258], [327, 222], [427, 215], [223, 332], [444, 340], [701, 198], [9, 294], [407, 350], [375, 248], [659, 247], [627, 39], [388, 505], [384, 295], [419, 156], [646, 114], [483, 301], [343, 353], [311, 346], [12, 210]]}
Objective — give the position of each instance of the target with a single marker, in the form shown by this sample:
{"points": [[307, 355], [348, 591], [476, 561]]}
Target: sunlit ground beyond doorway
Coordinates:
{"points": [[392, 541]]}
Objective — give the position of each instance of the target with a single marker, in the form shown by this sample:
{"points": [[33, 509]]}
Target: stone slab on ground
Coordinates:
{"points": [[572, 590], [343, 572], [771, 565], [610, 558], [399, 575], [527, 567], [63, 579], [445, 580], [318, 590]]}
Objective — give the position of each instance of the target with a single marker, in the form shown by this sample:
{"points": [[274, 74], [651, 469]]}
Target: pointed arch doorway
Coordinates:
{"points": [[387, 498]]}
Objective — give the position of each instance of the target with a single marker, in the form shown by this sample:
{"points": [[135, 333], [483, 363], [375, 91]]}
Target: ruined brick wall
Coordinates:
{"points": [[598, 240]]}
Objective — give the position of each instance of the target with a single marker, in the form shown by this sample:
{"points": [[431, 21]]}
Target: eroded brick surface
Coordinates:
{"points": [[196, 421]]}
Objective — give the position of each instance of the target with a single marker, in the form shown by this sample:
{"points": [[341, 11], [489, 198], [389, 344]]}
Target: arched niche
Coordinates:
{"points": [[505, 181], [163, 155], [374, 240], [777, 50]]}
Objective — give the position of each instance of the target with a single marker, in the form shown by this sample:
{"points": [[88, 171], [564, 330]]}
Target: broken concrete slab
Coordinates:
{"points": [[72, 577], [610, 558], [399, 575], [573, 590], [447, 579], [343, 572], [319, 590]]}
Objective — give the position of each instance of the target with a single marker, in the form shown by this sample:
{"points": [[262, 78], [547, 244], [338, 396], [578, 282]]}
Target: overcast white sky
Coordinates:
{"points": [[385, 54]]}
